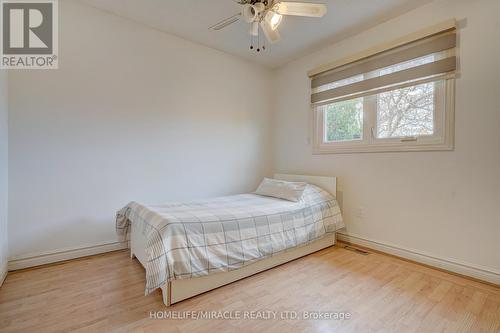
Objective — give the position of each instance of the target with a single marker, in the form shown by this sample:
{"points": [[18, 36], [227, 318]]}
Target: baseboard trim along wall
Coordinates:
{"points": [[3, 274], [476, 272], [480, 273], [63, 254]]}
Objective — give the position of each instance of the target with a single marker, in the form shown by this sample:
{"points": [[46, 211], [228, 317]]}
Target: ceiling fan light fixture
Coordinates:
{"points": [[273, 19], [251, 12], [254, 29], [272, 36]]}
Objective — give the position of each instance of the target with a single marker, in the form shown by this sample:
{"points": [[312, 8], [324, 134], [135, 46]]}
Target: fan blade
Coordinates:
{"points": [[224, 23], [301, 9], [272, 35]]}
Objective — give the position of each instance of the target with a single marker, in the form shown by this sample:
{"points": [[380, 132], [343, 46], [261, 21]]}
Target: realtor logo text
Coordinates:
{"points": [[29, 38]]}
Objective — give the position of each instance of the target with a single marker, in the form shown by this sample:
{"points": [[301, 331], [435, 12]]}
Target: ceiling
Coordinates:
{"points": [[190, 19]]}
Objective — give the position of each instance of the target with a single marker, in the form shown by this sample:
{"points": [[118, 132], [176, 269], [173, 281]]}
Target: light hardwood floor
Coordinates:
{"points": [[105, 293]]}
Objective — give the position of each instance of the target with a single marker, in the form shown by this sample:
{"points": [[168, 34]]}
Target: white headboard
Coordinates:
{"points": [[327, 183]]}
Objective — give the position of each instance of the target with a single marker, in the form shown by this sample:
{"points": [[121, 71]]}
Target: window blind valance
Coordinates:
{"points": [[367, 75]]}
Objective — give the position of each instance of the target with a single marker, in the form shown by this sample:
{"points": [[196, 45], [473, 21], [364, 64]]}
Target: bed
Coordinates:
{"points": [[190, 248]]}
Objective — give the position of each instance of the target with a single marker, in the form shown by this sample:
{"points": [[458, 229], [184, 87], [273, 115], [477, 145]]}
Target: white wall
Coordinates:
{"points": [[3, 174], [444, 204], [131, 114]]}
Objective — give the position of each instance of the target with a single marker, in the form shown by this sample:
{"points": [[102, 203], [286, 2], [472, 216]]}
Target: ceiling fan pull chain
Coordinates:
{"points": [[258, 42]]}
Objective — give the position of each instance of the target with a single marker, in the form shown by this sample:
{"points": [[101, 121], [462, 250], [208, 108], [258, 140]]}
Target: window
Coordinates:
{"points": [[400, 100], [407, 112], [344, 120]]}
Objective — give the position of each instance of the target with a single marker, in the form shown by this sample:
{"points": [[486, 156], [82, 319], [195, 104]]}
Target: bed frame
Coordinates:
{"points": [[179, 290]]}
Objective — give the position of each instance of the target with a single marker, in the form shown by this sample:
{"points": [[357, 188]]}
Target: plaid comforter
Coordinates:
{"points": [[186, 240]]}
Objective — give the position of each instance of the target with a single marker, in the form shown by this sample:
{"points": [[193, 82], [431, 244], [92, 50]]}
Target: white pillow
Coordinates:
{"points": [[291, 191]]}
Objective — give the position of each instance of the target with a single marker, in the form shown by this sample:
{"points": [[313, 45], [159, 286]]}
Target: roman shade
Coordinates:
{"points": [[366, 75]]}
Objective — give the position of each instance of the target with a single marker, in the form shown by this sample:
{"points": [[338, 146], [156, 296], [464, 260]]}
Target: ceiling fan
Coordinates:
{"points": [[267, 14]]}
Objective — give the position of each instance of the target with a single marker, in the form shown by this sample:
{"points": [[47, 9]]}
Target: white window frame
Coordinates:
{"points": [[442, 139]]}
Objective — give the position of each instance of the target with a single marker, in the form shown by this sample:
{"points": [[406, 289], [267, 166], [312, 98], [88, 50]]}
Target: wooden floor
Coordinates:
{"points": [[105, 293]]}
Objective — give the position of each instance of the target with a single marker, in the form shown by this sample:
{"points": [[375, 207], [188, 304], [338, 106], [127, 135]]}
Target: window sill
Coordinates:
{"points": [[379, 148]]}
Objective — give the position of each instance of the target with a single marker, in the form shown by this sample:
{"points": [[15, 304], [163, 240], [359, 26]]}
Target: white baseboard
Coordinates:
{"points": [[64, 254], [480, 273], [474, 271], [3, 273]]}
